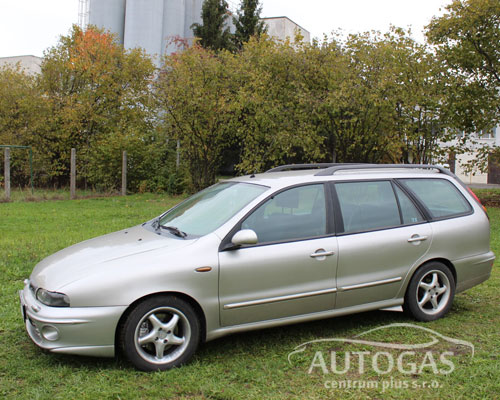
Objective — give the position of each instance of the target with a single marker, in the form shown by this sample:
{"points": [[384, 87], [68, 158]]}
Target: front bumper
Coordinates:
{"points": [[84, 330]]}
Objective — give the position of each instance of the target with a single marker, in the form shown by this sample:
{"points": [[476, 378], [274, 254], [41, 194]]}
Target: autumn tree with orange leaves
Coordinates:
{"points": [[99, 102]]}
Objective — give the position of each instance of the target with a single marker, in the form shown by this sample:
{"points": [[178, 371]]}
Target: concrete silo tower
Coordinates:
{"points": [[193, 15], [149, 24], [174, 12], [108, 14], [144, 26]]}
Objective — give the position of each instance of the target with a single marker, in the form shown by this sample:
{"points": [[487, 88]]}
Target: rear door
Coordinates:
{"points": [[381, 235]]}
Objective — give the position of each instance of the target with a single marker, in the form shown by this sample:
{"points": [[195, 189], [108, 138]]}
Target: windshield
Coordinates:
{"points": [[207, 210]]}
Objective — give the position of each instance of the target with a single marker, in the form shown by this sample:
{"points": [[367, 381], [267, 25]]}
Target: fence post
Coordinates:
{"points": [[7, 173], [72, 180], [124, 173], [178, 155], [31, 169]]}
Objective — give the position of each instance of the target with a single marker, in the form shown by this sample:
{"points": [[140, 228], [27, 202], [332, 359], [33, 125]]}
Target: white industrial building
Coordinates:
{"points": [[30, 64], [490, 138], [283, 28]]}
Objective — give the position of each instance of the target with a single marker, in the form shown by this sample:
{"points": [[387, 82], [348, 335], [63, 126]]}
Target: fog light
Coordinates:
{"points": [[50, 333]]}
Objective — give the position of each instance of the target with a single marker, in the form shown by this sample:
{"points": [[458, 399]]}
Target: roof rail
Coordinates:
{"points": [[291, 167], [343, 167], [328, 169]]}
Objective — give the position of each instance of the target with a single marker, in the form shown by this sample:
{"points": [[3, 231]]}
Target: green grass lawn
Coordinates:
{"points": [[250, 365]]}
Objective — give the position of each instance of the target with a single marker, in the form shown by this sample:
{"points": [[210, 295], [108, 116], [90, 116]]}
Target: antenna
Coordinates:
{"points": [[83, 13]]}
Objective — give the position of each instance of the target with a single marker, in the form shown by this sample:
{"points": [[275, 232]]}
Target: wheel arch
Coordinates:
{"points": [[444, 261], [196, 306], [410, 275]]}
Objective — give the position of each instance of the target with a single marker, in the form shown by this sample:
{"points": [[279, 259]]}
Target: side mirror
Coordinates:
{"points": [[245, 236]]}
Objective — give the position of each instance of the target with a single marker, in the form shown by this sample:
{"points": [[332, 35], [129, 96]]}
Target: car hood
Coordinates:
{"points": [[81, 259]]}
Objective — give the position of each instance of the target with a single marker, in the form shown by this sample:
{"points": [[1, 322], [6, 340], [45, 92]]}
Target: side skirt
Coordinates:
{"points": [[217, 333]]}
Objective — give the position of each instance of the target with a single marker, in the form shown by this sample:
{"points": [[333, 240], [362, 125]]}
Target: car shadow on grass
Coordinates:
{"points": [[85, 362], [286, 337]]}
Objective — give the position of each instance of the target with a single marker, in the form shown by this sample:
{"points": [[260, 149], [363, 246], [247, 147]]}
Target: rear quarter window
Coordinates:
{"points": [[440, 196]]}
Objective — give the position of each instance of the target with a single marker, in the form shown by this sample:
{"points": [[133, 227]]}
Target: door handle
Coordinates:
{"points": [[417, 239], [323, 254]]}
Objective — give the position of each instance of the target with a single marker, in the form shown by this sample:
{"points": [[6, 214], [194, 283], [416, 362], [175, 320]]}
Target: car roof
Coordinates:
{"points": [[287, 178]]}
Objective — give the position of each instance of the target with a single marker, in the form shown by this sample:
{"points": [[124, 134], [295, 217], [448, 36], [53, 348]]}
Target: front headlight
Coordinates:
{"points": [[53, 299]]}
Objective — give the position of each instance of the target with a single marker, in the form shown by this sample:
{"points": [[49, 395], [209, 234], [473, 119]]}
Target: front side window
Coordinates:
{"points": [[296, 213], [207, 210], [367, 206], [440, 196]]}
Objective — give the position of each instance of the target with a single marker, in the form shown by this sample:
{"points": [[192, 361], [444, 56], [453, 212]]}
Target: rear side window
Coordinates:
{"points": [[409, 212], [441, 197], [367, 205]]}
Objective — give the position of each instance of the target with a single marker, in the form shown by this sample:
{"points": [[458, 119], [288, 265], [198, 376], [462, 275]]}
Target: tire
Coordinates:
{"points": [[430, 293], [160, 333]]}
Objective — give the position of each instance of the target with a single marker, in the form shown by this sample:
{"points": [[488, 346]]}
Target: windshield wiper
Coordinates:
{"points": [[173, 230]]}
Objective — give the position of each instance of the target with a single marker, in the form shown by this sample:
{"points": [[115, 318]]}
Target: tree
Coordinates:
{"points": [[213, 32], [21, 110], [467, 38], [248, 22], [196, 92], [374, 98], [420, 96], [97, 93], [17, 90], [349, 87], [272, 125]]}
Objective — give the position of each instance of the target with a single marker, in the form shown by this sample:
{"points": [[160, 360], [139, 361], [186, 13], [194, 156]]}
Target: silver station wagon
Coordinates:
{"points": [[298, 243]]}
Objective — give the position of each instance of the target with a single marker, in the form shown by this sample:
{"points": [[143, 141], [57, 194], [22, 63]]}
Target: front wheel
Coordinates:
{"points": [[160, 333], [430, 293]]}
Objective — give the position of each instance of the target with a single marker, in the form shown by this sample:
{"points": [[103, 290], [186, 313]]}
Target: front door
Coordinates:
{"points": [[291, 271]]}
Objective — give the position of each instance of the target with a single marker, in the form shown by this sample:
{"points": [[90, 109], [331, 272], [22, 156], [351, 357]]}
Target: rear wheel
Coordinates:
{"points": [[160, 333], [430, 293]]}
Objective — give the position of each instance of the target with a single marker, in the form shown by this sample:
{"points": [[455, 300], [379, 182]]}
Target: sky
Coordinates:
{"points": [[28, 27]]}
